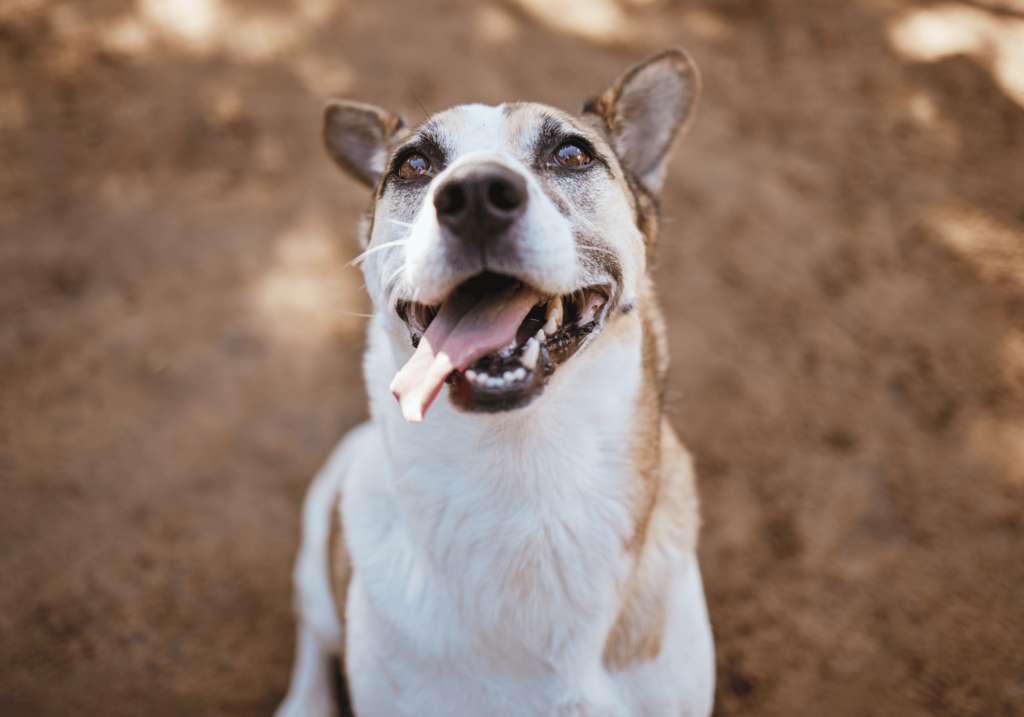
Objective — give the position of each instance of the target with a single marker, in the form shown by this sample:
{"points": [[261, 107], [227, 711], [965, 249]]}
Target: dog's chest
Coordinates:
{"points": [[505, 540], [534, 567], [479, 598]]}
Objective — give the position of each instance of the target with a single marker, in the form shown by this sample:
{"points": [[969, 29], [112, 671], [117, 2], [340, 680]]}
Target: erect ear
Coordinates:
{"points": [[358, 138], [647, 109]]}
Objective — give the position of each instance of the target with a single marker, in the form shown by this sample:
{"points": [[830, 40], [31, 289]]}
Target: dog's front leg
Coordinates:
{"points": [[319, 639]]}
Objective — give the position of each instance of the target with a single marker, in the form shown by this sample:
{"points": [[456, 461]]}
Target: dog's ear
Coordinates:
{"points": [[358, 138], [647, 109]]}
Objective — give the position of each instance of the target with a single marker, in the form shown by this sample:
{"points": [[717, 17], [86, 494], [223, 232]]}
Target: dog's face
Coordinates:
{"points": [[502, 239]]}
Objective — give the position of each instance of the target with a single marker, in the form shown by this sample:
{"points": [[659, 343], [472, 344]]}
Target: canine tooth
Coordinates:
{"points": [[471, 375], [519, 374], [553, 315], [531, 354], [509, 377], [540, 335]]}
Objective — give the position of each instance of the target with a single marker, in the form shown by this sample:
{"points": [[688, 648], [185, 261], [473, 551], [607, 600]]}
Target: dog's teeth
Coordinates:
{"points": [[541, 336], [553, 315], [482, 378], [519, 374], [509, 377], [471, 375], [531, 354], [495, 382]]}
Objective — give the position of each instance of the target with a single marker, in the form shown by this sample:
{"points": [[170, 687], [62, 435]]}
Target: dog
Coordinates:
{"points": [[515, 534]]}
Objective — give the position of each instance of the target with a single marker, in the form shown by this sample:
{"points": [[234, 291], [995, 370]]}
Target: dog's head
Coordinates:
{"points": [[501, 240]]}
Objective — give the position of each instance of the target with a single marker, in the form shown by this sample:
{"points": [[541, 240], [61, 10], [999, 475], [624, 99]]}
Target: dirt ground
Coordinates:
{"points": [[842, 264]]}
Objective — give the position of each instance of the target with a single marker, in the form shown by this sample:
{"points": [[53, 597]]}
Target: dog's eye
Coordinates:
{"points": [[414, 167], [571, 155]]}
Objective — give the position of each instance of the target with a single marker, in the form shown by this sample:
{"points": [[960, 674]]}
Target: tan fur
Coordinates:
{"points": [[664, 500], [637, 634], [665, 510]]}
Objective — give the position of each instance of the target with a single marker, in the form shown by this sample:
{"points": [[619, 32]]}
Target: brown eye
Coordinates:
{"points": [[572, 155], [414, 167]]}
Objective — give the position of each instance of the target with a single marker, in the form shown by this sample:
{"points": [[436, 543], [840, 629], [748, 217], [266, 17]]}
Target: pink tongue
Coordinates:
{"points": [[464, 329]]}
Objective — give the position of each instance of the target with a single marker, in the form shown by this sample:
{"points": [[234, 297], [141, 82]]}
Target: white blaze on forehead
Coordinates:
{"points": [[474, 128]]}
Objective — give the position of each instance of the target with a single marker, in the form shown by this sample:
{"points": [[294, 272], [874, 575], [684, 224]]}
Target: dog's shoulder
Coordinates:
{"points": [[668, 535]]}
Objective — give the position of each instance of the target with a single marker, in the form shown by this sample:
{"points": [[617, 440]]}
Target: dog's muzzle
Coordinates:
{"points": [[479, 201], [494, 338]]}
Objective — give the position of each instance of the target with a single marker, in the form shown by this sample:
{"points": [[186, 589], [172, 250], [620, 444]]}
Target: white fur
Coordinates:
{"points": [[438, 528], [488, 549], [547, 252], [319, 632], [546, 248]]}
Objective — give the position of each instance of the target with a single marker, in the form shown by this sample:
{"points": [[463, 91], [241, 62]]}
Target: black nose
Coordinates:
{"points": [[479, 201]]}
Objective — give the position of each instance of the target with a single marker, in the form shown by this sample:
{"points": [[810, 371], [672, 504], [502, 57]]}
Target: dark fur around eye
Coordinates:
{"points": [[423, 145]]}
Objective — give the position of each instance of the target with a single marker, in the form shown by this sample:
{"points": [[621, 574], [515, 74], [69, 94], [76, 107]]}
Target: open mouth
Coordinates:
{"points": [[495, 341]]}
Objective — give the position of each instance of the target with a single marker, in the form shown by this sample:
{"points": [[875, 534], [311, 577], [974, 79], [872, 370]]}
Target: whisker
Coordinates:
{"points": [[401, 224], [394, 275], [374, 250]]}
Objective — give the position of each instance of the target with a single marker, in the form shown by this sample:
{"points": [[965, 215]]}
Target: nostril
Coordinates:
{"points": [[503, 195], [450, 200]]}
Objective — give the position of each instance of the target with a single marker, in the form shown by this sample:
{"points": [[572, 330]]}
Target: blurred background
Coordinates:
{"points": [[842, 265]]}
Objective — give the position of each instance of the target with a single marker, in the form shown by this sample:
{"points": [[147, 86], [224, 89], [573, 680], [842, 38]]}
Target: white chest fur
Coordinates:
{"points": [[493, 547], [489, 560]]}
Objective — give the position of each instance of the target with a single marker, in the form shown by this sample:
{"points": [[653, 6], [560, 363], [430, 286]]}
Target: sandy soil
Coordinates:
{"points": [[843, 266]]}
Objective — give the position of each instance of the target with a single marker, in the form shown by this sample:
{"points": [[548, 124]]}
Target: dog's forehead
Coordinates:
{"points": [[516, 128]]}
